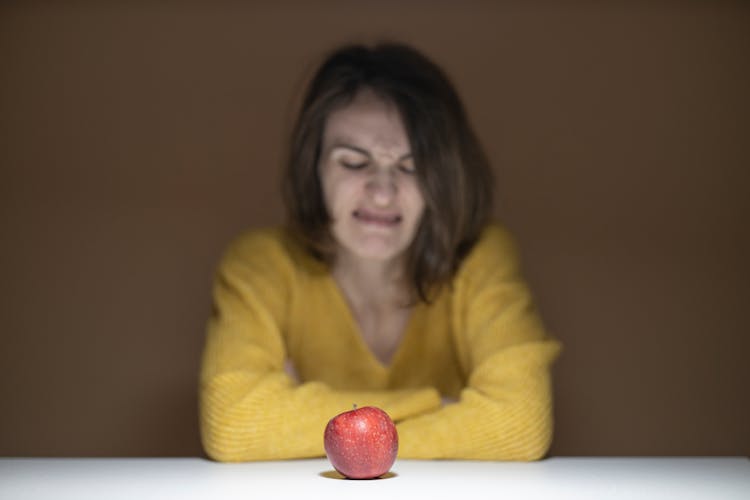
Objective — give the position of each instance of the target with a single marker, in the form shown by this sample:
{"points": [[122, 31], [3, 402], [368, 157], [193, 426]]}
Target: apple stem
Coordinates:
{"points": [[354, 406]]}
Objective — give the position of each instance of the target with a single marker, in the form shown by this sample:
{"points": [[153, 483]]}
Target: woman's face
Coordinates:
{"points": [[368, 178]]}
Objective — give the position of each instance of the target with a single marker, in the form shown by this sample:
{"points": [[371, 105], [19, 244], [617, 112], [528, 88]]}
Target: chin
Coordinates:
{"points": [[374, 249], [376, 252], [373, 244]]}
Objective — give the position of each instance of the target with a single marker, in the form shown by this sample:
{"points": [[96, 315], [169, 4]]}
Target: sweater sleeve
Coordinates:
{"points": [[250, 409], [505, 411]]}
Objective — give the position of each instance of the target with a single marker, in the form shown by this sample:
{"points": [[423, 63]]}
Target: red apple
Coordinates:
{"points": [[361, 443]]}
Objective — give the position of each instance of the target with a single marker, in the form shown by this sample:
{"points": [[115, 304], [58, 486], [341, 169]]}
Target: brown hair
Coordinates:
{"points": [[452, 170]]}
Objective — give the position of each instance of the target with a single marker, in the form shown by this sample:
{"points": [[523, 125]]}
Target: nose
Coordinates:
{"points": [[382, 187]]}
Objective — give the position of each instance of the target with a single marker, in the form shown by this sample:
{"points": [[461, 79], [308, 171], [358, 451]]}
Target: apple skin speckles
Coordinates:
{"points": [[361, 443]]}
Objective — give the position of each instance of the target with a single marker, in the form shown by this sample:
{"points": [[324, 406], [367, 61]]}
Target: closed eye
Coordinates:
{"points": [[354, 165], [407, 169]]}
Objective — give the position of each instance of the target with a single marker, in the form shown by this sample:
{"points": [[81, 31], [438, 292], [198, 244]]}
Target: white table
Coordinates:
{"points": [[195, 478]]}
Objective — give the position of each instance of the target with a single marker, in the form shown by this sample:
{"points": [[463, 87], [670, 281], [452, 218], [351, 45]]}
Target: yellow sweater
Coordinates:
{"points": [[481, 342]]}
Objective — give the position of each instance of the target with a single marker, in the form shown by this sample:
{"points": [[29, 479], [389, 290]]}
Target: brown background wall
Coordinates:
{"points": [[136, 138]]}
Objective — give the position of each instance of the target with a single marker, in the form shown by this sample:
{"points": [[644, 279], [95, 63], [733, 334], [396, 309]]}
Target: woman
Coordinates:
{"points": [[388, 287]]}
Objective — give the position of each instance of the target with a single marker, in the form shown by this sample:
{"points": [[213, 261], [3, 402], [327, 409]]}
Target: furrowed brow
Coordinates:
{"points": [[362, 151], [351, 147]]}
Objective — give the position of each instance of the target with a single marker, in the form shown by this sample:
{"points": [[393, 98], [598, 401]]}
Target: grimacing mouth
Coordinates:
{"points": [[387, 219]]}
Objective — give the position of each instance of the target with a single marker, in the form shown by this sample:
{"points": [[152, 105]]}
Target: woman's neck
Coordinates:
{"points": [[379, 298], [372, 283]]}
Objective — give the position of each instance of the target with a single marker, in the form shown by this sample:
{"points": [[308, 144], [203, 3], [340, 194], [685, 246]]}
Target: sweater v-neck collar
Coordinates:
{"points": [[365, 353]]}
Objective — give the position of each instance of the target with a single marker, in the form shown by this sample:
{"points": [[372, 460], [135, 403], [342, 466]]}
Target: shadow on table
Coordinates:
{"points": [[332, 474]]}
